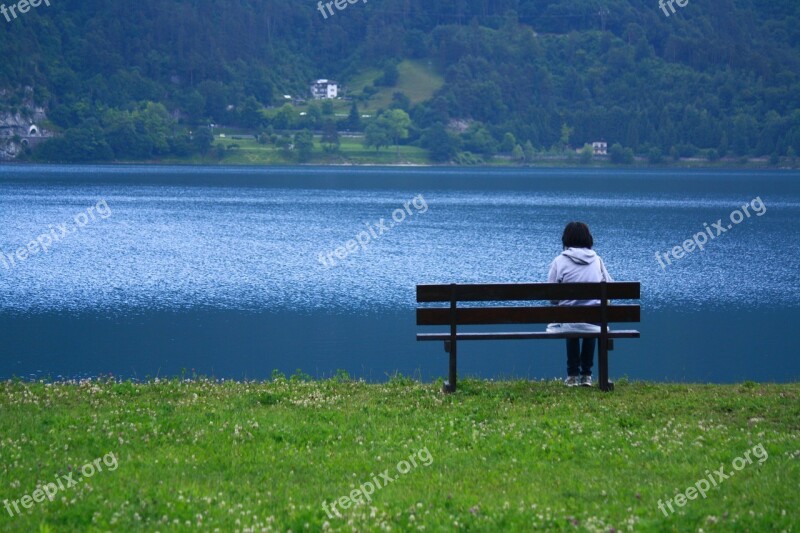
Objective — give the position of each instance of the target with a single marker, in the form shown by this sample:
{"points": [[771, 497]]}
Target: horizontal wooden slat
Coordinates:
{"points": [[488, 292], [526, 315], [520, 335]]}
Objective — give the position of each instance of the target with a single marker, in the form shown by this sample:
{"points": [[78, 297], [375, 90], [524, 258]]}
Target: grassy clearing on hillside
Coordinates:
{"points": [[418, 80], [504, 456]]}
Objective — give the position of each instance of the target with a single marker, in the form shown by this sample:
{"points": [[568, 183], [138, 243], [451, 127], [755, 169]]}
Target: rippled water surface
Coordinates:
{"points": [[221, 270]]}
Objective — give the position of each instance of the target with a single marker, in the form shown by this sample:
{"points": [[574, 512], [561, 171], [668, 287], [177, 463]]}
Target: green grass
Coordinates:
{"points": [[351, 151], [418, 80], [505, 456]]}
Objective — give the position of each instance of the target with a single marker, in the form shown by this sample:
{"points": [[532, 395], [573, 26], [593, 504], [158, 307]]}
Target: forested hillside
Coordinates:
{"points": [[131, 80]]}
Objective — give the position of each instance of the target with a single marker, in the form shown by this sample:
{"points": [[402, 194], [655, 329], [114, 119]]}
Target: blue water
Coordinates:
{"points": [[221, 270]]}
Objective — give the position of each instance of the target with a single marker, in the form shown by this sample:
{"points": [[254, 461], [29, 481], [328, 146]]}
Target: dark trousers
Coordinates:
{"points": [[580, 358]]}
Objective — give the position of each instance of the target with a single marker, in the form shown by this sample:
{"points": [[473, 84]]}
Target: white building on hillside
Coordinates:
{"points": [[600, 148], [324, 89]]}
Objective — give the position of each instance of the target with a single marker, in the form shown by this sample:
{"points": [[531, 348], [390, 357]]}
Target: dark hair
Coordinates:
{"points": [[577, 235]]}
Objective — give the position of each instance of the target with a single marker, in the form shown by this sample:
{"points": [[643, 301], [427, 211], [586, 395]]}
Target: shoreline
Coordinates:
{"points": [[340, 377], [548, 165]]}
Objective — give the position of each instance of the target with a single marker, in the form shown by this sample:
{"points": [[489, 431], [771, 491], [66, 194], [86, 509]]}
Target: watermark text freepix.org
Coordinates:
{"points": [[716, 229], [664, 3], [340, 5], [23, 6], [366, 490], [57, 232], [375, 231], [714, 479], [63, 482]]}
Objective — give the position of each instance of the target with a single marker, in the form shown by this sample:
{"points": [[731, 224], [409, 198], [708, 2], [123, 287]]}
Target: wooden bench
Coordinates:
{"points": [[476, 315]]}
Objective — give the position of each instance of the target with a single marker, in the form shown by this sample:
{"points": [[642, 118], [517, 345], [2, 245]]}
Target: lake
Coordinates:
{"points": [[233, 272]]}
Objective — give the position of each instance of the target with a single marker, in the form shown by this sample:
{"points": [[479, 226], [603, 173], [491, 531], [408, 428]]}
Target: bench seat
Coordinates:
{"points": [[521, 335], [482, 311]]}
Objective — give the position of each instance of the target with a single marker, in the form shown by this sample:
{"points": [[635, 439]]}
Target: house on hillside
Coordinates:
{"points": [[324, 89], [600, 148]]}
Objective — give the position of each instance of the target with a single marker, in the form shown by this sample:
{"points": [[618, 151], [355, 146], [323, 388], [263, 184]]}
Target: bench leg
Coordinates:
{"points": [[450, 385], [602, 356]]}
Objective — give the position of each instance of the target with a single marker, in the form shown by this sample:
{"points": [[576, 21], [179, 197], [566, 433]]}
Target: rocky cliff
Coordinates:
{"points": [[20, 126]]}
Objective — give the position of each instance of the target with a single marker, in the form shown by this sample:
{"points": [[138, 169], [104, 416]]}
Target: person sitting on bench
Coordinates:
{"points": [[578, 263]]}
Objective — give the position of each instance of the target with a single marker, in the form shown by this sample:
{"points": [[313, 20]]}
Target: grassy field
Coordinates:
{"points": [[351, 151], [497, 456], [417, 79]]}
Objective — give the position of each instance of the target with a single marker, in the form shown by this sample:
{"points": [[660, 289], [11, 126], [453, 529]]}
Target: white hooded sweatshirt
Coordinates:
{"points": [[576, 265]]}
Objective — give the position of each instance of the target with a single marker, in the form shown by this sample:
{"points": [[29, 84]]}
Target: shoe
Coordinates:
{"points": [[571, 381], [586, 381]]}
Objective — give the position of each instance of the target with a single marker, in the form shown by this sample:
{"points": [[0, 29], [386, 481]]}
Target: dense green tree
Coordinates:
{"points": [[620, 155], [654, 156], [81, 144], [518, 154], [330, 136], [304, 146], [398, 122], [157, 123], [220, 151], [530, 151], [390, 75], [181, 144], [250, 113], [389, 128], [203, 139], [215, 95], [193, 105], [286, 118], [354, 118], [508, 144], [313, 117], [124, 138], [442, 145], [401, 101], [586, 154], [478, 139], [566, 133], [377, 134]]}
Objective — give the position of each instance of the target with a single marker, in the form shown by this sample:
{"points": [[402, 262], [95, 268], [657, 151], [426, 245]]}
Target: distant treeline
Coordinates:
{"points": [[132, 79]]}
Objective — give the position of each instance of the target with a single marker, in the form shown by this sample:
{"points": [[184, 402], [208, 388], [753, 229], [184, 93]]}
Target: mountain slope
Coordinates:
{"points": [[718, 76]]}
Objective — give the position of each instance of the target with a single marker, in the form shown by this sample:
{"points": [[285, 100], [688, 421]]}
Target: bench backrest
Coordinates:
{"points": [[519, 292]]}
